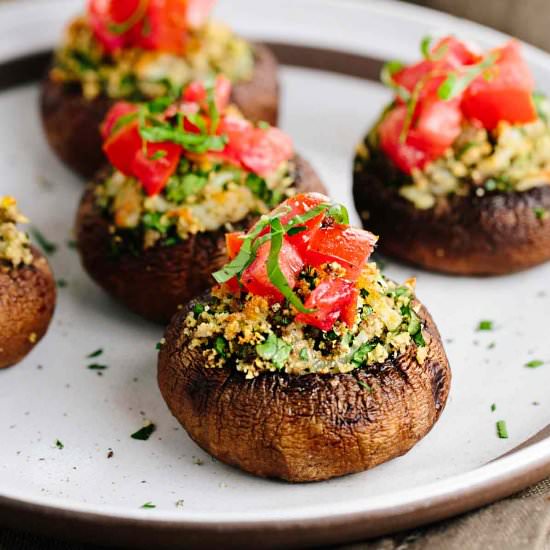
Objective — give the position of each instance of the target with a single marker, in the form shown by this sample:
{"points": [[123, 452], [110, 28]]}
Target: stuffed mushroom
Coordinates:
{"points": [[304, 362], [27, 288], [150, 228], [138, 50], [455, 176]]}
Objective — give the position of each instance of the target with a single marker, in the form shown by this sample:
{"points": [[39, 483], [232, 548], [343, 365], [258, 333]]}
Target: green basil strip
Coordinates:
{"points": [[244, 258], [134, 19], [274, 273], [455, 84], [212, 107]]}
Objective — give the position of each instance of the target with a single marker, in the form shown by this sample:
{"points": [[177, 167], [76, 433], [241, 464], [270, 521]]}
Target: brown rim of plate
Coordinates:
{"points": [[96, 528]]}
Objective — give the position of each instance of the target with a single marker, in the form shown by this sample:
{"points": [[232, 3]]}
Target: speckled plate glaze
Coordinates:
{"points": [[84, 492]]}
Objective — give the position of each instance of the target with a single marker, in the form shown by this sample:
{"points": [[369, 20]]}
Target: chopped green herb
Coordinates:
{"points": [[135, 17], [95, 353], [155, 221], [541, 213], [220, 345], [196, 143], [535, 363], [198, 308], [389, 69], [425, 46], [456, 83], [123, 121], [485, 325], [61, 283], [541, 105], [179, 189], [97, 366], [418, 339], [143, 434], [47, 246], [275, 350], [361, 354], [148, 505], [274, 273], [304, 354], [493, 407], [160, 343], [157, 155], [502, 430], [59, 445]]}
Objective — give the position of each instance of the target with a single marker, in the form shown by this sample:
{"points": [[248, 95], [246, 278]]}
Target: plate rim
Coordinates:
{"points": [[464, 491]]}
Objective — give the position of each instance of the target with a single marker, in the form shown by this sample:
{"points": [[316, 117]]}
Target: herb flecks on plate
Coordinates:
{"points": [[144, 433]]}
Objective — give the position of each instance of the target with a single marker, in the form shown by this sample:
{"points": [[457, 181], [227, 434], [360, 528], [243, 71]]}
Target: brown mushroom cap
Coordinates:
{"points": [[309, 427], [154, 283], [27, 303], [493, 234], [72, 122]]}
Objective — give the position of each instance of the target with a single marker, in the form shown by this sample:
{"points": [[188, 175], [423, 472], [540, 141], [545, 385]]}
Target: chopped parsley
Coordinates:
{"points": [[59, 444], [220, 345], [97, 366], [485, 325], [95, 353], [148, 506], [275, 350], [502, 430], [535, 363], [541, 213], [143, 434], [61, 283], [47, 246], [493, 407], [360, 356], [304, 354]]}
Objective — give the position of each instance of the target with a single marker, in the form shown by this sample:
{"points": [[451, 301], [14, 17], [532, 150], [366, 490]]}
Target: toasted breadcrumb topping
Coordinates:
{"points": [[200, 196], [137, 74], [14, 244], [253, 336]]}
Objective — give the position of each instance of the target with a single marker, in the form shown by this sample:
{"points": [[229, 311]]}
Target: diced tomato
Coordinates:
{"points": [[349, 310], [164, 27], [235, 128], [196, 93], [448, 54], [99, 15], [255, 278], [198, 12], [233, 243], [233, 285], [455, 52], [154, 166], [504, 92], [265, 149], [300, 204], [122, 147], [118, 110], [348, 246], [433, 131], [328, 300]]}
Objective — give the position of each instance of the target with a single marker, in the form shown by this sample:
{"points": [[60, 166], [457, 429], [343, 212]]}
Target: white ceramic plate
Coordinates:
{"points": [[53, 396]]}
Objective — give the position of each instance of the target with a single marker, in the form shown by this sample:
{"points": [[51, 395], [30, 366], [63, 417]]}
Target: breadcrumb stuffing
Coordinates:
{"points": [[254, 336], [143, 74], [14, 244]]}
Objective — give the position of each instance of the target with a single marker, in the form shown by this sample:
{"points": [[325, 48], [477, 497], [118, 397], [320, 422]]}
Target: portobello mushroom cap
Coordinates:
{"points": [[309, 427], [72, 122], [27, 303], [156, 282], [492, 234]]}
